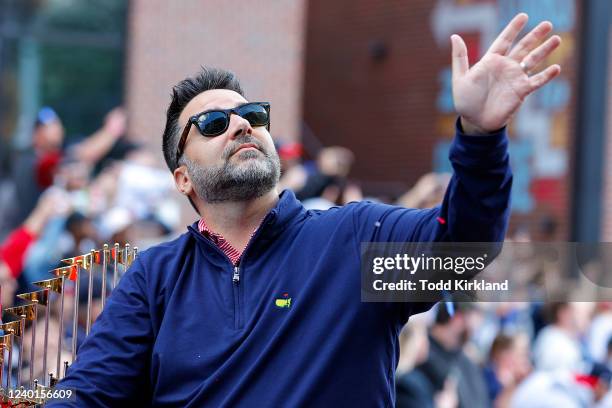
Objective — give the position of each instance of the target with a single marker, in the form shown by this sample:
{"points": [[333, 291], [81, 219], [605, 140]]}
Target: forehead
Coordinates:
{"points": [[213, 99]]}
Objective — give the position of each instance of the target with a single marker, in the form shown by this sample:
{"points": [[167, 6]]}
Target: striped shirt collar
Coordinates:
{"points": [[232, 253]]}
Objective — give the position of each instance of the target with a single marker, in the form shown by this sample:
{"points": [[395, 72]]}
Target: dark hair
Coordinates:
{"points": [[185, 91], [500, 344], [551, 311]]}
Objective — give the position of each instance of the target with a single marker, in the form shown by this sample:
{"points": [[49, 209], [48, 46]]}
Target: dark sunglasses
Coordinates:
{"points": [[215, 122]]}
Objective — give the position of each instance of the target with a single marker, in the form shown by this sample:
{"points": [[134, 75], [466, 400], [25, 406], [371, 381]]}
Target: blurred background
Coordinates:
{"points": [[361, 109]]}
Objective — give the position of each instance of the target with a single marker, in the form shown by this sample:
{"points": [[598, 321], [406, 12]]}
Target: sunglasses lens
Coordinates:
{"points": [[212, 123], [216, 122], [256, 114]]}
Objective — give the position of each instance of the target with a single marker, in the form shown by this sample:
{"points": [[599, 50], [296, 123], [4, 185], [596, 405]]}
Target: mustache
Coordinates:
{"points": [[235, 146]]}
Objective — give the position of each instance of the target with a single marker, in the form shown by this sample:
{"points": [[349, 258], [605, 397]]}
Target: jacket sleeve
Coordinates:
{"points": [[111, 368], [476, 205], [14, 248]]}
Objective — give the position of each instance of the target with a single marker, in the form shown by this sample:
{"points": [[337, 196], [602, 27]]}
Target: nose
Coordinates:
{"points": [[239, 126]]}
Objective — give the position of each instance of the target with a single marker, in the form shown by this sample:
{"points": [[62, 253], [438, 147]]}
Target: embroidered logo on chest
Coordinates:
{"points": [[284, 302]]}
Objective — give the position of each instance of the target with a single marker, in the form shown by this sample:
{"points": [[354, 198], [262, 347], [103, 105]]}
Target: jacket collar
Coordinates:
{"points": [[288, 210]]}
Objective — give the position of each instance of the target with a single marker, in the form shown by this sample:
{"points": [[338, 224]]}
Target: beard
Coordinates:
{"points": [[242, 176]]}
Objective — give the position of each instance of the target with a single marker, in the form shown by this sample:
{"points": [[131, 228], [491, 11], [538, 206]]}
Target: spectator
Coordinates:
{"points": [[413, 388], [557, 346], [12, 251], [508, 365], [427, 192], [337, 192], [554, 389], [36, 166], [447, 337], [293, 173], [83, 234], [600, 333], [333, 165]]}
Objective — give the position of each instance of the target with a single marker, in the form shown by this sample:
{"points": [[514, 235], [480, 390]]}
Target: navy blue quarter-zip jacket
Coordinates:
{"points": [[184, 328]]}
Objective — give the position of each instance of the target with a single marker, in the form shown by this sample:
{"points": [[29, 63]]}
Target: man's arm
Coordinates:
{"points": [[476, 208], [486, 95], [111, 369], [14, 248], [476, 205], [94, 147]]}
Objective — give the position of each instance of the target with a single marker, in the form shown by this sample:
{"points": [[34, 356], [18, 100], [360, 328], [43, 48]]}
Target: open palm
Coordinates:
{"points": [[489, 93]]}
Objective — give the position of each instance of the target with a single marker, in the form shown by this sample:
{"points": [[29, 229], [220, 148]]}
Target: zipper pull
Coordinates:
{"points": [[236, 276]]}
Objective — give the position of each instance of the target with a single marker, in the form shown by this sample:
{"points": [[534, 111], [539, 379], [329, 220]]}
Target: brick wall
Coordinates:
{"points": [[382, 109], [169, 40]]}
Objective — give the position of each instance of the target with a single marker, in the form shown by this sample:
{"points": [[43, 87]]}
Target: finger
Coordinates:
{"points": [[460, 64], [544, 77], [530, 41], [539, 54], [502, 43]]}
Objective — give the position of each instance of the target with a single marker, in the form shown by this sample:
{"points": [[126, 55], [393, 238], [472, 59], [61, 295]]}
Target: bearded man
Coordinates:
{"points": [[258, 303]]}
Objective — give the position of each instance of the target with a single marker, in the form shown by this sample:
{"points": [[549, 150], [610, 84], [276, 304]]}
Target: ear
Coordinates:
{"points": [[182, 181]]}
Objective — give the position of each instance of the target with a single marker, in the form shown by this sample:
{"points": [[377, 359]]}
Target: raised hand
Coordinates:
{"points": [[115, 122], [490, 92]]}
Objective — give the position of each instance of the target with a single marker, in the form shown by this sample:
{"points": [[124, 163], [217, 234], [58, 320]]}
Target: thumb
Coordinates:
{"points": [[459, 56]]}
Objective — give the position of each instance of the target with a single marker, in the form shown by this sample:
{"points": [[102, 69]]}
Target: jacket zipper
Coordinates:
{"points": [[236, 275], [238, 306], [236, 290], [238, 312]]}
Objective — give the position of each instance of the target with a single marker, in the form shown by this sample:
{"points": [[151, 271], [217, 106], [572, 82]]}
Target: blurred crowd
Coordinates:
{"points": [[61, 197], [507, 355]]}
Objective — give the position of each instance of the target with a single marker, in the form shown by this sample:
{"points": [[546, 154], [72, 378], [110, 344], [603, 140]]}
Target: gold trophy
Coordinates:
{"points": [[52, 291]]}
